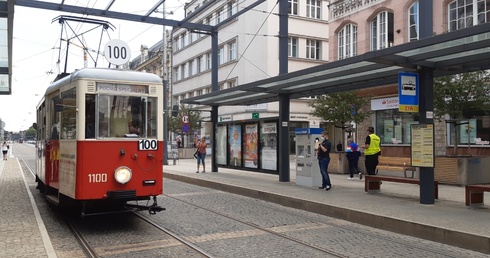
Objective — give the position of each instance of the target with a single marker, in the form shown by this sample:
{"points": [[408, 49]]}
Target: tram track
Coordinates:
{"points": [[175, 236], [255, 226], [333, 225]]}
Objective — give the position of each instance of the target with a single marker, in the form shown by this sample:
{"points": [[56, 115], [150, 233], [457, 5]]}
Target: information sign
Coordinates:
{"points": [[422, 143]]}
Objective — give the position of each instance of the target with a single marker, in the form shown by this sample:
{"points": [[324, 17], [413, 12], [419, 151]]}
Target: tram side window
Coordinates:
{"points": [[89, 116], [68, 114], [55, 107]]}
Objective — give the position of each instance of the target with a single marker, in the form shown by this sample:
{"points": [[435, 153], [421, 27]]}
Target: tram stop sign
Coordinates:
{"points": [[185, 124]]}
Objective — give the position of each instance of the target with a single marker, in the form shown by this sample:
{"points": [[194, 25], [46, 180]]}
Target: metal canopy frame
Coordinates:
{"points": [[455, 52], [113, 14]]}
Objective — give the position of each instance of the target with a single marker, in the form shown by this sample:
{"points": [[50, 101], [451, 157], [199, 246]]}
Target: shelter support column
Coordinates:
{"points": [[214, 122], [214, 87], [426, 102], [283, 141], [426, 105]]}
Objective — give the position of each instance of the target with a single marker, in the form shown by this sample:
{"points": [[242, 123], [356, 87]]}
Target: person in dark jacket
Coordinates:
{"points": [[323, 154], [353, 155]]}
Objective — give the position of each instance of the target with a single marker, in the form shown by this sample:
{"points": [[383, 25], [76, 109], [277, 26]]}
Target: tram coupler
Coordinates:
{"points": [[152, 209]]}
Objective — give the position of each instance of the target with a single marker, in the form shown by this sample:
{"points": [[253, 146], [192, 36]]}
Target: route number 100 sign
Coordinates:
{"points": [[117, 52]]}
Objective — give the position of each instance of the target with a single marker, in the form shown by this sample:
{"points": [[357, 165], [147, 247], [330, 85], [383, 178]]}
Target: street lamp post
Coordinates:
{"points": [[165, 91]]}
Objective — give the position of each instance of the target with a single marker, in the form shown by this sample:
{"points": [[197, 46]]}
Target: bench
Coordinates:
{"points": [[474, 194], [401, 164], [373, 183]]}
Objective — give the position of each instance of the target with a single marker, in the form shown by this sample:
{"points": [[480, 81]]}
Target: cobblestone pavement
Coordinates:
{"points": [[22, 233], [395, 208]]}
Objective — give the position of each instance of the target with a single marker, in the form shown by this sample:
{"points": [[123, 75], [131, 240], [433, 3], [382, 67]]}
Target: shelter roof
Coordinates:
{"points": [[450, 53]]}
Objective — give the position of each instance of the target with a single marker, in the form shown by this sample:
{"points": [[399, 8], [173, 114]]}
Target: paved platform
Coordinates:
{"points": [[22, 231], [395, 208]]}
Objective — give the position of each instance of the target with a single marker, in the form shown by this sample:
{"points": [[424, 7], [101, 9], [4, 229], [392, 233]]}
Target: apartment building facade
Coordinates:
{"points": [[360, 26], [248, 51]]}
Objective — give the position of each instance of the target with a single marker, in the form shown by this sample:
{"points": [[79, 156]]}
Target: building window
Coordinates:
{"points": [[177, 43], [382, 31], [221, 86], [232, 8], [199, 63], [475, 132], [220, 15], [184, 40], [313, 49], [461, 14], [209, 20], [176, 72], [232, 51], [413, 22], [313, 9], [221, 55], [208, 61], [393, 127], [231, 83], [293, 7], [183, 71], [191, 67], [347, 41], [292, 47]]}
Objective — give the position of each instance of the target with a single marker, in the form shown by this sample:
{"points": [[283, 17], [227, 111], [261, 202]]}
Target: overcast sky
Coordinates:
{"points": [[36, 46]]}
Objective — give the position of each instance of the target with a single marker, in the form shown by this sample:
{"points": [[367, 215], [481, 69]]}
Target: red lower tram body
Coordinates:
{"points": [[113, 171]]}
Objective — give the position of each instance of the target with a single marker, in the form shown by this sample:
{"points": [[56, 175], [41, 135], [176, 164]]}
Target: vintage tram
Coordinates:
{"points": [[100, 139]]}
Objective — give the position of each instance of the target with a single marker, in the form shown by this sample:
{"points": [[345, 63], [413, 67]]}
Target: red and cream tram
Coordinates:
{"points": [[100, 139]]}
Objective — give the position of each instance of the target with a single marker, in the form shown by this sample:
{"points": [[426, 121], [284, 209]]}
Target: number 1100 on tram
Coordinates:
{"points": [[100, 139]]}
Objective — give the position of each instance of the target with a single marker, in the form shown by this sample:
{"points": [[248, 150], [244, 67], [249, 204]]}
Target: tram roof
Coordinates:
{"points": [[450, 53], [106, 74]]}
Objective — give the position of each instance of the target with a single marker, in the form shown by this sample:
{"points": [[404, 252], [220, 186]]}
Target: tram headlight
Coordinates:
{"points": [[123, 174]]}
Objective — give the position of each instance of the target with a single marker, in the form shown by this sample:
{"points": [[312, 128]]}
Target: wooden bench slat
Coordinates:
{"points": [[374, 182], [399, 164]]}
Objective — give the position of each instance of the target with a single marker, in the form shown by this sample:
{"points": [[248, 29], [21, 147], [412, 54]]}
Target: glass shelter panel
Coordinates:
{"points": [[393, 127]]}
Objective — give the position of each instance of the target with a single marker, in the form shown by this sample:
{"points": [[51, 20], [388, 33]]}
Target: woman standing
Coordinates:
{"points": [[201, 154], [5, 149]]}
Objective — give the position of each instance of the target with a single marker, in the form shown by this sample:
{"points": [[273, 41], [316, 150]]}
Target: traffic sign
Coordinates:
{"points": [[408, 92], [186, 128], [185, 119], [117, 52]]}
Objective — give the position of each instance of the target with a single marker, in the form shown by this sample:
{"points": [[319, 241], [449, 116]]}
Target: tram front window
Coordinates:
{"points": [[125, 116]]}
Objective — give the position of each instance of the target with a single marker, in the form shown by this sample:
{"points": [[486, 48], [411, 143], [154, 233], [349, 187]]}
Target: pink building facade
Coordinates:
{"points": [[360, 26]]}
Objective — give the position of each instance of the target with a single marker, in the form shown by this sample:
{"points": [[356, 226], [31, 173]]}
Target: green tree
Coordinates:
{"points": [[341, 108], [458, 95], [31, 133], [175, 123]]}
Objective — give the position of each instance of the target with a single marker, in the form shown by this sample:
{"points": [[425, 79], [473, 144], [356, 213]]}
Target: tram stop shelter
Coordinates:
{"points": [[450, 53]]}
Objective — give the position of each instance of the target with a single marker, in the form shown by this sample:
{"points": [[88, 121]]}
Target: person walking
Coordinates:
{"points": [[5, 150], [353, 154], [324, 149], [201, 154], [373, 150]]}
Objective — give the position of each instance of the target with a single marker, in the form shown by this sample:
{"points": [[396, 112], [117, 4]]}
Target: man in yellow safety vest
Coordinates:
{"points": [[373, 150]]}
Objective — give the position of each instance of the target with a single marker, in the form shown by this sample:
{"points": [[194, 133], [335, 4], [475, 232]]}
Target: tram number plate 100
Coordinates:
{"points": [[147, 145]]}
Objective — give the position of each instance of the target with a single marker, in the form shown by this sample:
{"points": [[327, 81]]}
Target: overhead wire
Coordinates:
{"points": [[250, 43]]}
